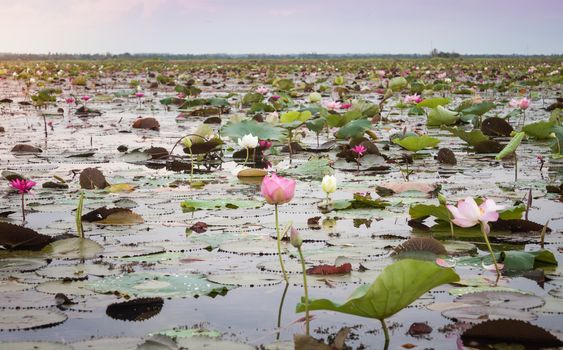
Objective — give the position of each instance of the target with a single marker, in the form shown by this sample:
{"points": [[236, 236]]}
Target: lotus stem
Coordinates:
{"points": [[191, 164], [247, 154], [542, 235], [483, 231], [305, 290], [385, 333], [280, 309], [23, 207], [79, 227], [279, 244]]}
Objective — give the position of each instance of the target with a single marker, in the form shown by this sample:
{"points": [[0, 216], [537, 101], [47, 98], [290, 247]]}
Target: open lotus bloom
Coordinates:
{"points": [[468, 213], [248, 141], [22, 185]]}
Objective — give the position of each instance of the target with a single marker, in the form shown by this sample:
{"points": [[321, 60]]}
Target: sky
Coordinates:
{"points": [[278, 27]]}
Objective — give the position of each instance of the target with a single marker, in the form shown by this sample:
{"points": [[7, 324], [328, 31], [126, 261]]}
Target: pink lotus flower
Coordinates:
{"points": [[277, 189], [181, 95], [275, 97], [412, 99], [333, 105], [262, 90], [359, 150], [70, 100], [345, 106], [139, 94], [23, 186], [468, 213], [264, 144], [523, 103], [85, 98]]}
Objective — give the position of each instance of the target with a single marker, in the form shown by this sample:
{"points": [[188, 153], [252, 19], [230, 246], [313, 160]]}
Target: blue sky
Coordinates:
{"points": [[289, 26]]}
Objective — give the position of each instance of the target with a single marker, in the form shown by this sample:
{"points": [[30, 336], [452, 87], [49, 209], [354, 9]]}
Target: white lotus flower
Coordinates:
{"points": [[248, 141], [329, 184]]}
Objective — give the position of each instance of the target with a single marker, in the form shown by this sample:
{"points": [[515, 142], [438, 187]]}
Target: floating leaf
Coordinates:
{"points": [[73, 248], [515, 331], [207, 204], [135, 310], [330, 269], [23, 319], [143, 284]]}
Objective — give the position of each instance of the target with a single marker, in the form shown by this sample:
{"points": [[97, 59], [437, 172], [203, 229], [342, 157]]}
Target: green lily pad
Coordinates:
{"points": [[120, 343], [417, 143], [34, 345], [73, 248], [441, 116], [245, 279], [145, 284], [540, 130], [195, 204], [23, 319]]}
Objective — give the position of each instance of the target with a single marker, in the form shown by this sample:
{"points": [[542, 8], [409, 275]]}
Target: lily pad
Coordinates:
{"points": [[245, 279], [23, 319], [148, 285], [73, 248]]}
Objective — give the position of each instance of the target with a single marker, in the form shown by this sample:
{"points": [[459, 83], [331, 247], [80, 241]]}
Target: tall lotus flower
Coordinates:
{"points": [[23, 186], [278, 190], [248, 142], [468, 214]]}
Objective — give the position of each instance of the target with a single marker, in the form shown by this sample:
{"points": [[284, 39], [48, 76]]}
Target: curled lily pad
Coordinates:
{"points": [[23, 319], [157, 285], [19, 237]]}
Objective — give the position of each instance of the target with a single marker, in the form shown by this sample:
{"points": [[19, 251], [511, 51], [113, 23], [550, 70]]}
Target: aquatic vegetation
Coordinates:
{"points": [[123, 225]]}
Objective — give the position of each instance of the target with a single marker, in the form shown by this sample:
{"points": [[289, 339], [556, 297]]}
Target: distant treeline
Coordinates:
{"points": [[221, 56]]}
